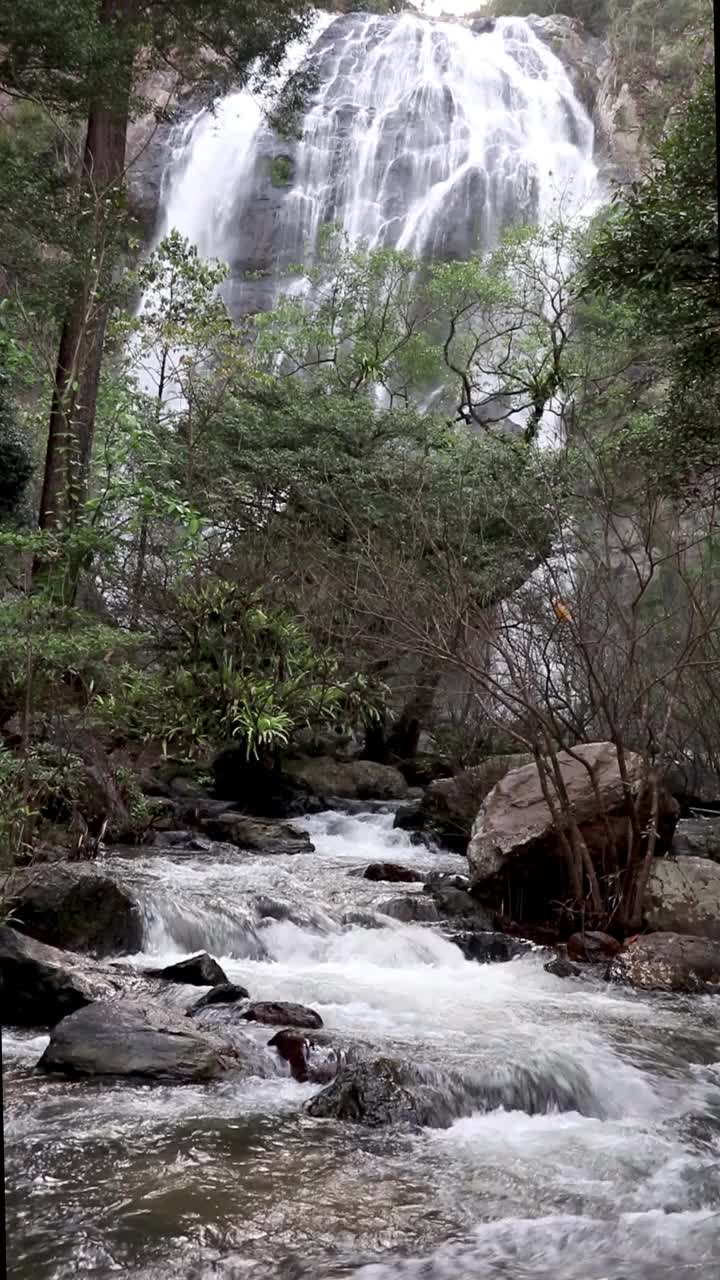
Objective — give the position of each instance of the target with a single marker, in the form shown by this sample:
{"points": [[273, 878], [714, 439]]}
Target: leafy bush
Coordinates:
{"points": [[16, 460], [236, 670]]}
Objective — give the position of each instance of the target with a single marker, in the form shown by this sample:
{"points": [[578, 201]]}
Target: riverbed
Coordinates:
{"points": [[234, 1179]]}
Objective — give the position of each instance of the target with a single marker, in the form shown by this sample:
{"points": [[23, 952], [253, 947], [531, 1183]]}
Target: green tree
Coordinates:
{"points": [[656, 255], [16, 460]]}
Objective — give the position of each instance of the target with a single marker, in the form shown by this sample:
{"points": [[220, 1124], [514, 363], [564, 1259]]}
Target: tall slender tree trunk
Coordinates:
{"points": [[74, 402]]}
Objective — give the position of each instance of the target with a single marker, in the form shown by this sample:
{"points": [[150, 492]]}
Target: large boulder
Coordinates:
{"points": [[669, 962], [76, 906], [515, 831], [40, 985], [348, 779], [450, 805], [683, 896], [130, 1038], [264, 838]]}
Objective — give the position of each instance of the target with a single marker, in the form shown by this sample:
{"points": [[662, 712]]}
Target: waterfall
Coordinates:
{"points": [[421, 135]]}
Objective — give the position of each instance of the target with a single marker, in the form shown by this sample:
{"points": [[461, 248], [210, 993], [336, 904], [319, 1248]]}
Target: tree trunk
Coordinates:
{"points": [[405, 736], [77, 376]]}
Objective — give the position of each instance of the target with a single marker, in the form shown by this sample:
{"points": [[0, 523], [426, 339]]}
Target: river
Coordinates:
{"points": [[235, 1180]]}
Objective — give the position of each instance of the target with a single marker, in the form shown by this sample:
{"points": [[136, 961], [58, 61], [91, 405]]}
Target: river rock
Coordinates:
{"points": [[363, 920], [129, 1038], [515, 830], [458, 904], [223, 993], [489, 947], [683, 896], [196, 971], [592, 946], [445, 880], [561, 967], [40, 984], [669, 962], [392, 872], [281, 1013], [697, 838], [381, 1092], [76, 906], [250, 835], [409, 816], [411, 909], [450, 805], [348, 779]]}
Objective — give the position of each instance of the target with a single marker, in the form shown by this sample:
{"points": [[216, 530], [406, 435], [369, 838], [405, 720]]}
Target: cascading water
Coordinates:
{"points": [[422, 135], [588, 1132], [587, 1141]]}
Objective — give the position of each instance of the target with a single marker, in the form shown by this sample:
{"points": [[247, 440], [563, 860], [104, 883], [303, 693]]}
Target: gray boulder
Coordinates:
{"points": [[385, 1092], [76, 906], [683, 896], [450, 805], [412, 909], [348, 779], [129, 1038], [458, 904], [669, 962], [40, 985]]}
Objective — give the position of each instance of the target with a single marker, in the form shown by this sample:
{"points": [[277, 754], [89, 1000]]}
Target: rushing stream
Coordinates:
{"points": [[234, 1179]]}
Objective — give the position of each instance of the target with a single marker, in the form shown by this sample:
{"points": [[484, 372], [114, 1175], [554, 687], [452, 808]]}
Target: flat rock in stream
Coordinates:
{"points": [[129, 1038], [269, 839], [196, 971], [40, 984]]}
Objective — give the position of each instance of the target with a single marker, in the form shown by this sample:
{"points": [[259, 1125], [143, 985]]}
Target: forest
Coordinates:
{"points": [[359, 639], [163, 464]]}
